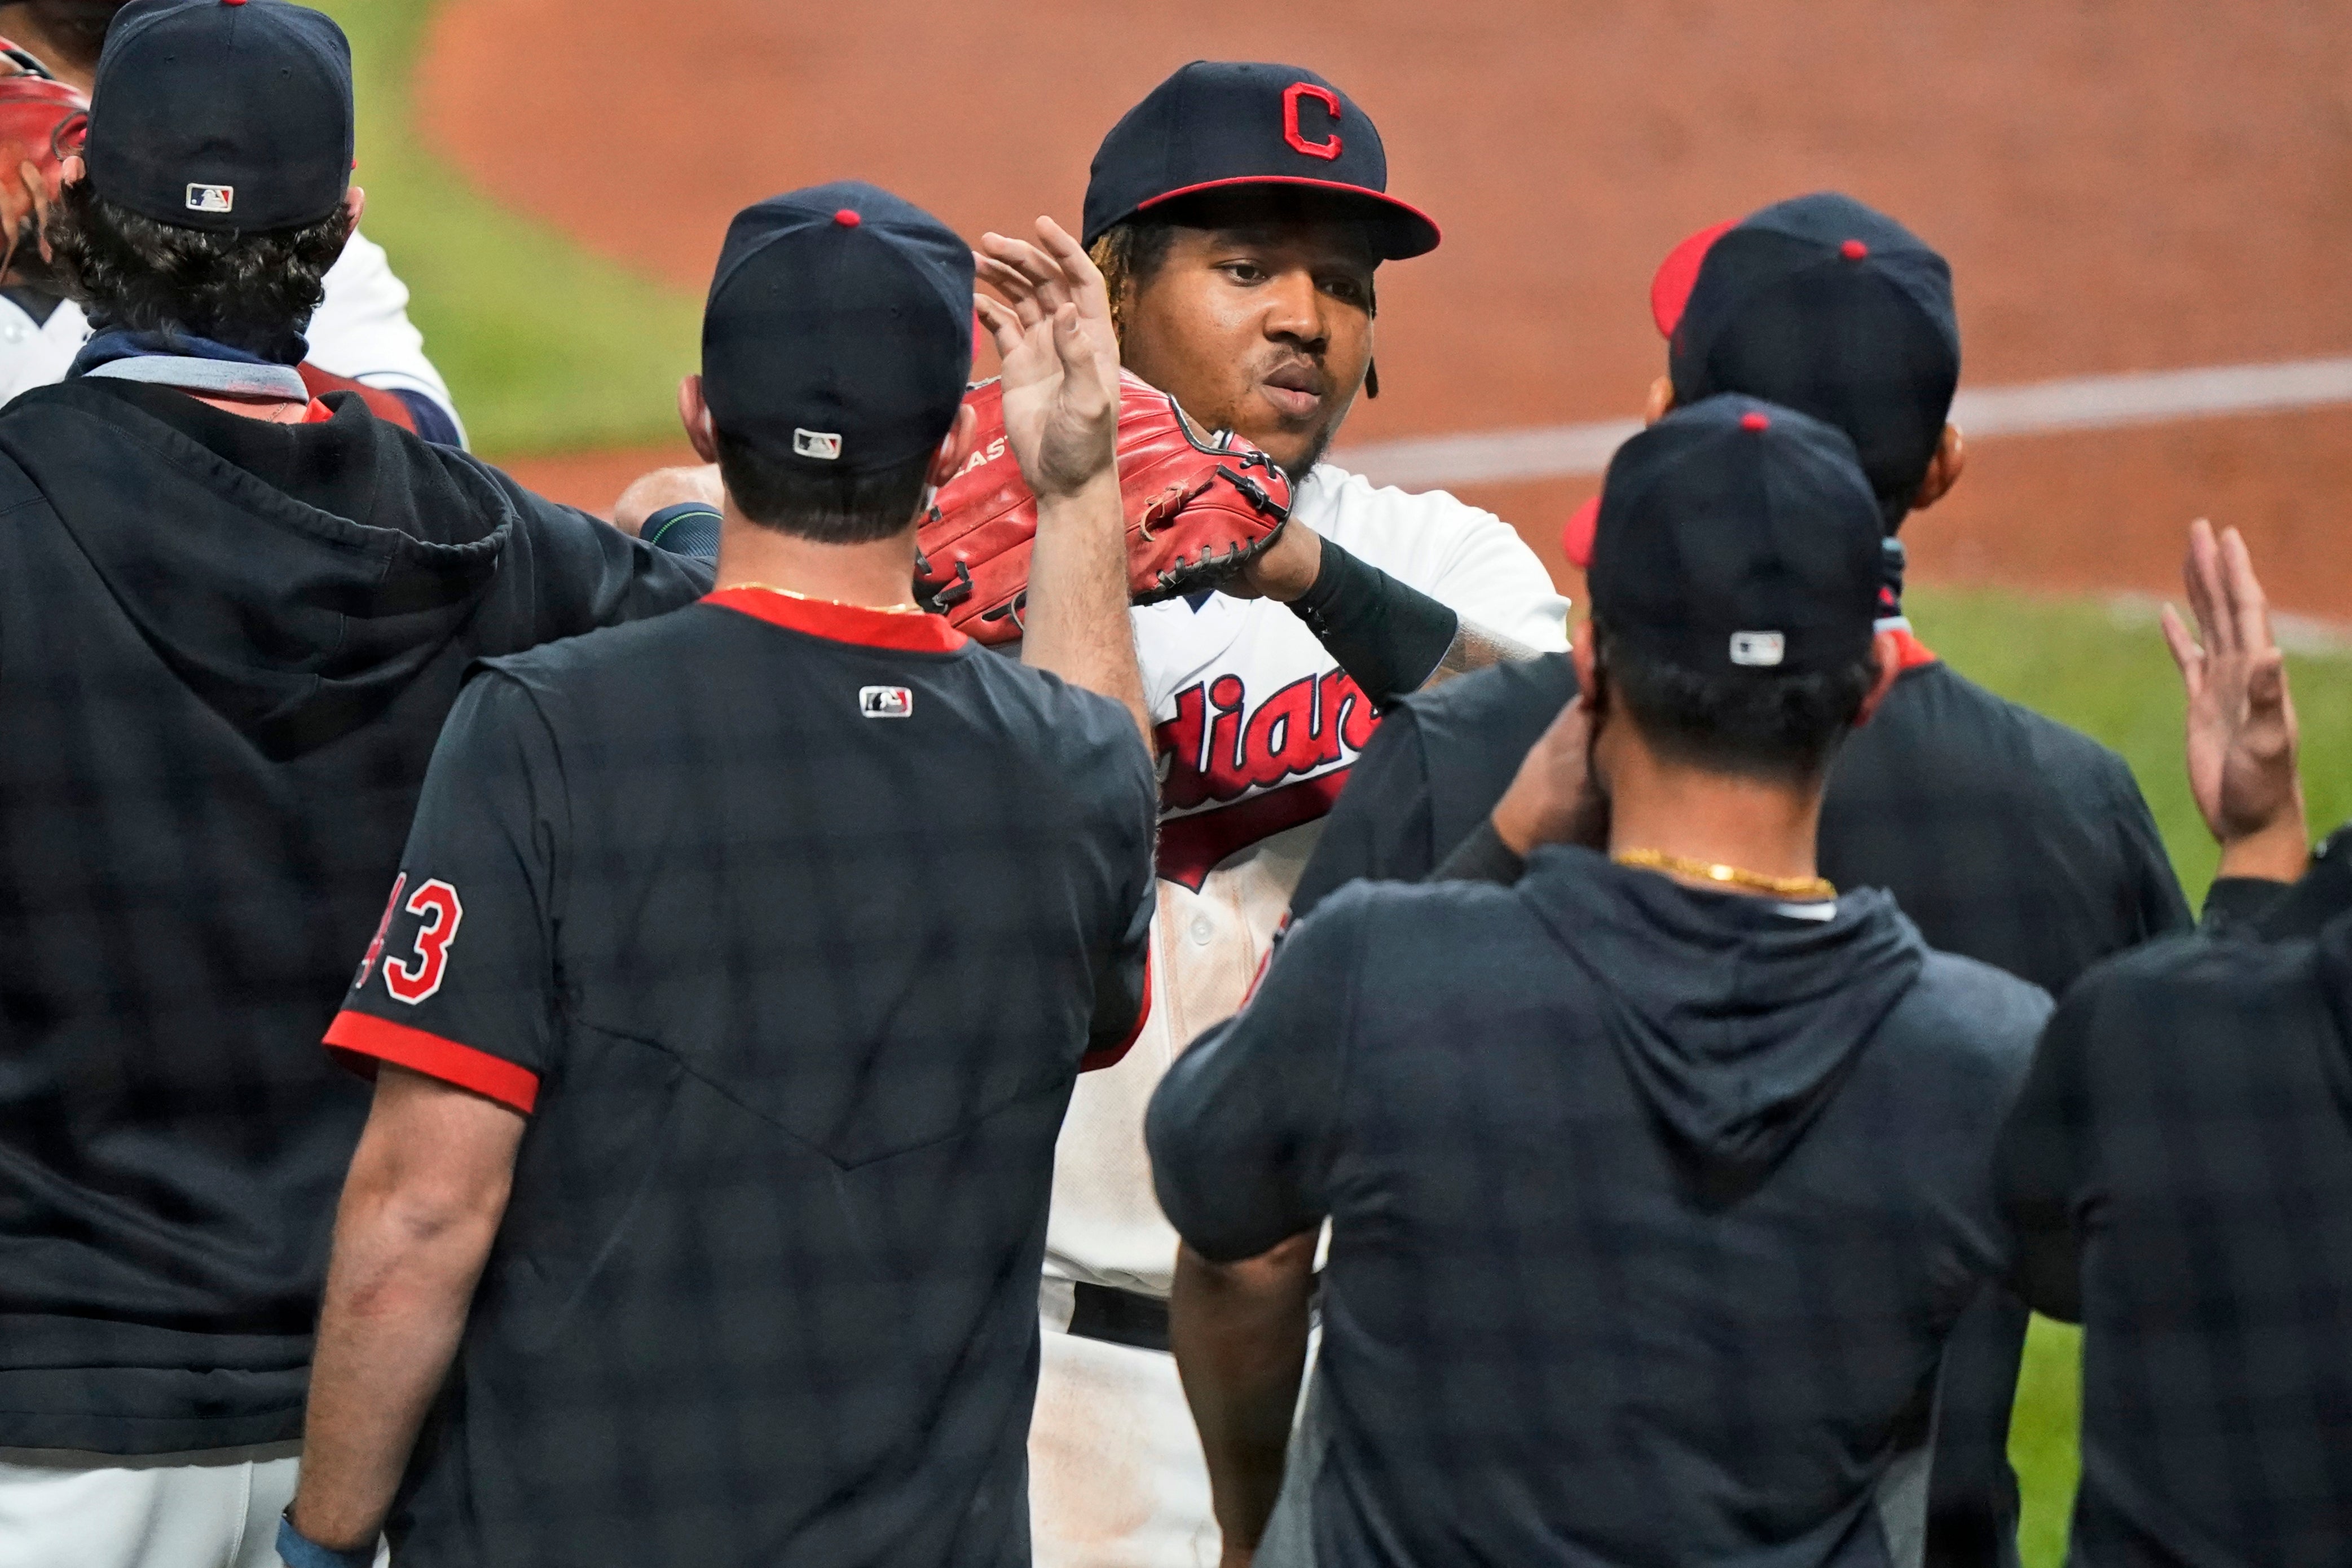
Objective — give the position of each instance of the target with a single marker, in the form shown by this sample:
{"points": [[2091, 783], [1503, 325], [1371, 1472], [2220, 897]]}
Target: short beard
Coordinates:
{"points": [[1297, 472]]}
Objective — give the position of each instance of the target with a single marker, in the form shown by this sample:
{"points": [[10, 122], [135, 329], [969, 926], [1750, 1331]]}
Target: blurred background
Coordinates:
{"points": [[2147, 207]]}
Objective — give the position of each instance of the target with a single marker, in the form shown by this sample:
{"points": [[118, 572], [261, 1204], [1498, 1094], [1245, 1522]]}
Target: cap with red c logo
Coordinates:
{"points": [[1222, 124]]}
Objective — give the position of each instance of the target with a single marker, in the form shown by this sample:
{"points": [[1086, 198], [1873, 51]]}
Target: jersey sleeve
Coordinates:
{"points": [[361, 329], [2037, 1166], [587, 573], [2159, 908], [1488, 575], [1125, 810], [1243, 1129], [1379, 829], [459, 982]]}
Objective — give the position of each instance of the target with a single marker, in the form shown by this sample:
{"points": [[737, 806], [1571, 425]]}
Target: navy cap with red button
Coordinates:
{"points": [[226, 115], [1825, 306], [837, 337], [1736, 535], [1228, 125]]}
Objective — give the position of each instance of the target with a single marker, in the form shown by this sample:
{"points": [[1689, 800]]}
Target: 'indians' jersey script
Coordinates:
{"points": [[1257, 726]]}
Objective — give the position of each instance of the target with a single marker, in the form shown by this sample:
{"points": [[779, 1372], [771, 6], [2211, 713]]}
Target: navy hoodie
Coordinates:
{"points": [[226, 648], [1650, 1207]]}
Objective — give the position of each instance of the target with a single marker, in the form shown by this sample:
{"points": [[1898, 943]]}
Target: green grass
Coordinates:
{"points": [[2106, 672], [546, 348]]}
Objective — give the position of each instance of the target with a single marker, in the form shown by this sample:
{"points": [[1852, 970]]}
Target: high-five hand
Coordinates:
{"points": [[1052, 330], [2240, 720]]}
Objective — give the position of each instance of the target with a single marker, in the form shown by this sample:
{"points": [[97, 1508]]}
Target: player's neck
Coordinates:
{"points": [[1713, 818], [880, 572]]}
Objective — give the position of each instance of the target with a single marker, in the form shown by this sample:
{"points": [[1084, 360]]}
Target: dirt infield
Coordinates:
{"points": [[2149, 185]]}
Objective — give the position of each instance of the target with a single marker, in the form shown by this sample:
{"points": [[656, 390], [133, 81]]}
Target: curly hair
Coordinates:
{"points": [[77, 27], [252, 291]]}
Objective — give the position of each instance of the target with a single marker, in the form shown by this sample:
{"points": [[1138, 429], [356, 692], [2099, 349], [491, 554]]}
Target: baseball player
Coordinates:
{"points": [[233, 618], [2007, 837], [1240, 213], [360, 338], [760, 1294]]}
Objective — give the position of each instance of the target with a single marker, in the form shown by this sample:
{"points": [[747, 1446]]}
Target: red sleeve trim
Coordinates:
{"points": [[372, 1039], [1111, 1056]]}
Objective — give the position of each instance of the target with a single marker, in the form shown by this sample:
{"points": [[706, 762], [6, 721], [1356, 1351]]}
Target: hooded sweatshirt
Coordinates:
{"points": [[226, 648], [1650, 1207]]}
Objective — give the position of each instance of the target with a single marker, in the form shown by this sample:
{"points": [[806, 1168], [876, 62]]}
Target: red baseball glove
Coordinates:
{"points": [[41, 124], [1198, 508]]}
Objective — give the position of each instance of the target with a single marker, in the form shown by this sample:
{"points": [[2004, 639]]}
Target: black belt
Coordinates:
{"points": [[1119, 1317], [1131, 1318]]}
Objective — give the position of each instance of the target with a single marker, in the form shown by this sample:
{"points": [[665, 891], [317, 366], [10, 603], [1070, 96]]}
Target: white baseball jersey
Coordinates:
{"points": [[362, 332], [1258, 727]]}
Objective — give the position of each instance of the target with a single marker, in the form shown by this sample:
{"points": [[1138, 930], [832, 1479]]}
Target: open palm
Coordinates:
{"points": [[1052, 330], [2241, 718]]}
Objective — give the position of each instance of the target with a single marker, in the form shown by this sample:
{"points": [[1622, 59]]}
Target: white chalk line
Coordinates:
{"points": [[2036, 408]]}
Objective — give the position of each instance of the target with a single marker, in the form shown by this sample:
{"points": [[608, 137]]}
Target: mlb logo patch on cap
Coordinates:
{"points": [[886, 702], [1758, 649], [212, 198], [824, 444]]}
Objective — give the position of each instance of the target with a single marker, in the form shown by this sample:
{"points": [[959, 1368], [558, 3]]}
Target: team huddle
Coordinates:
{"points": [[1030, 971]]}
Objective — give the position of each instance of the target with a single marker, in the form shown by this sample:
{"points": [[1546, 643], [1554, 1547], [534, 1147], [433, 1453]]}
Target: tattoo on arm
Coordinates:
{"points": [[1476, 648]]}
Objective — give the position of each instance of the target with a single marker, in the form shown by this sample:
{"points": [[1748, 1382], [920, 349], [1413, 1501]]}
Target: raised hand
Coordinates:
{"points": [[2241, 716], [1052, 330]]}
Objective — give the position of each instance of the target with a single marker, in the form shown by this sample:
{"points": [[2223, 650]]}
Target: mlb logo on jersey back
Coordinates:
{"points": [[212, 198], [822, 445], [886, 702]]}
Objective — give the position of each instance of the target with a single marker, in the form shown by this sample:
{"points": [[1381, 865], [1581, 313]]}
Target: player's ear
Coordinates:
{"points": [[355, 202], [1580, 653], [956, 446], [695, 414], [1661, 401], [1887, 648], [1944, 469]]}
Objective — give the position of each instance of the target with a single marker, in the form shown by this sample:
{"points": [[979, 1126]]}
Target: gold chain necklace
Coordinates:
{"points": [[845, 603], [1796, 890]]}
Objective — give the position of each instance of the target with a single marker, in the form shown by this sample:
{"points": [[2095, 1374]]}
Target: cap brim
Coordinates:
{"points": [[1576, 539], [1404, 231], [1670, 291]]}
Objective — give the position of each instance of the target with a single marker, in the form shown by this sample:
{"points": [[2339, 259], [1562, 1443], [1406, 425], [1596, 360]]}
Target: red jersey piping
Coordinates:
{"points": [[851, 624], [371, 1040]]}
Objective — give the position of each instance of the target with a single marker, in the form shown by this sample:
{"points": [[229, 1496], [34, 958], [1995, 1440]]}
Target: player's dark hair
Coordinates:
{"points": [[76, 28], [1780, 729], [252, 291], [831, 509]]}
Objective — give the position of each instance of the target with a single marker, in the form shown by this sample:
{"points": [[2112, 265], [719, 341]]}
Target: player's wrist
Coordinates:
{"points": [[300, 1550], [1286, 569], [1082, 497], [2279, 850]]}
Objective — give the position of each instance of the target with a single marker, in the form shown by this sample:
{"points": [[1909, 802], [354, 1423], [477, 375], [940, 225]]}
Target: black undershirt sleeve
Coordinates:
{"points": [[1380, 830], [2038, 1161], [1388, 636], [1483, 857]]}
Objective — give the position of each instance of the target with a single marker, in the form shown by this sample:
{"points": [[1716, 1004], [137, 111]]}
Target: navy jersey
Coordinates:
{"points": [[790, 924], [226, 648]]}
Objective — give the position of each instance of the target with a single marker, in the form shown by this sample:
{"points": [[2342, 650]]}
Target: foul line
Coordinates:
{"points": [[2080, 403]]}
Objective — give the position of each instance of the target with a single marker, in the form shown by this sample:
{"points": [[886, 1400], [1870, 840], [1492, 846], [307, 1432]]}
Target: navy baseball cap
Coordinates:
{"points": [[1225, 124], [1736, 535], [1825, 306], [837, 338], [227, 115]]}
